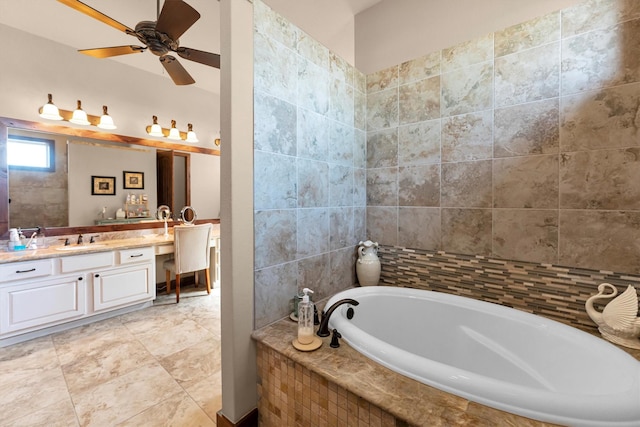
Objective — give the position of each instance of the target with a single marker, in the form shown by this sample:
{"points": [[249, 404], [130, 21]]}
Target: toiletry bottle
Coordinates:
{"points": [[305, 318]]}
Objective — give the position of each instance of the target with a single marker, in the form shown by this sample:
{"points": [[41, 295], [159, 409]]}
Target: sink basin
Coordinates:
{"points": [[80, 247]]}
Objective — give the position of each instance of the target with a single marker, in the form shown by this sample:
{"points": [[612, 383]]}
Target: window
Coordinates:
{"points": [[34, 154]]}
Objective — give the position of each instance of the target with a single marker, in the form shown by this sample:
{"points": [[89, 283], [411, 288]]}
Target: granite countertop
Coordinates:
{"points": [[54, 251], [405, 398]]}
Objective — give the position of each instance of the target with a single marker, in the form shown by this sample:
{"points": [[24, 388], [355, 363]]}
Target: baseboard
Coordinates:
{"points": [[249, 420]]}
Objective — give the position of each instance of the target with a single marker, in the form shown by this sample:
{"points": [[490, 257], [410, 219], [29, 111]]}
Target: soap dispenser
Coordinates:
{"points": [[305, 318]]}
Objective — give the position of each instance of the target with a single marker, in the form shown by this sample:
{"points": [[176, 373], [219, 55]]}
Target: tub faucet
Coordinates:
{"points": [[323, 330]]}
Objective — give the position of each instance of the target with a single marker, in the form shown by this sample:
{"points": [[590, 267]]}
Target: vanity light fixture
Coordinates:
{"points": [[172, 133], [50, 112]]}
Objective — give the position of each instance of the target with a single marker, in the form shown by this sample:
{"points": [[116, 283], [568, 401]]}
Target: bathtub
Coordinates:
{"points": [[493, 355]]}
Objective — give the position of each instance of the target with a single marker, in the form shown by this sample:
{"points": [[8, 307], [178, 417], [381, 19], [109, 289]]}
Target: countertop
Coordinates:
{"points": [[405, 398], [99, 246]]}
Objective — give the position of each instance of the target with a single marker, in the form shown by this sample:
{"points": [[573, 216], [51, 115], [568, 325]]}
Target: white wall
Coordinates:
{"points": [[395, 31], [87, 160], [33, 66]]}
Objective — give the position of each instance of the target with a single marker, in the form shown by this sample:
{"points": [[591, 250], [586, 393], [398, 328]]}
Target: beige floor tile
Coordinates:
{"points": [[193, 363], [125, 396], [59, 414], [179, 410], [207, 393], [162, 342], [26, 359]]}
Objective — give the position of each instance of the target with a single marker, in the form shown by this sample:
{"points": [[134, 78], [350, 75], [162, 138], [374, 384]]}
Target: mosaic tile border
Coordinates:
{"points": [[291, 395], [552, 291]]}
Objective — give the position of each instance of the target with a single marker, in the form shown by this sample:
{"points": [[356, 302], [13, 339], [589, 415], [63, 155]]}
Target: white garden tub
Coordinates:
{"points": [[494, 355]]}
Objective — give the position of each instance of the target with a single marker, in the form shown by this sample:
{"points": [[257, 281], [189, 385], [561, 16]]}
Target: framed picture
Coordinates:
{"points": [[103, 185], [133, 180]]}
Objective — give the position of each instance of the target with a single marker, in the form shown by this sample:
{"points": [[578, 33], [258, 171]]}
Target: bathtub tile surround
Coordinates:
{"points": [[309, 165], [536, 141]]}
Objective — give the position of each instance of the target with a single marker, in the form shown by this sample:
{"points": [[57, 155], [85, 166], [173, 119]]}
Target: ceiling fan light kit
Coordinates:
{"points": [[159, 37], [78, 116], [172, 133]]}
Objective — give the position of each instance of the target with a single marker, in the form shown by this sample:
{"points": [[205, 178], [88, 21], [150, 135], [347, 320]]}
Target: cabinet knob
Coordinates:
{"points": [[79, 278], [97, 275]]}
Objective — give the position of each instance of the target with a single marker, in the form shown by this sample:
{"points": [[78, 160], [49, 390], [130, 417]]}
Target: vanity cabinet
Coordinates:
{"points": [[46, 293]]}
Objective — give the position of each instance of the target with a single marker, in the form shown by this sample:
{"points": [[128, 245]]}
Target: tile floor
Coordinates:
{"points": [[159, 366]]}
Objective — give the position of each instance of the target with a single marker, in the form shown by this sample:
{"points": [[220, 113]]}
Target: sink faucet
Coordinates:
{"points": [[323, 330], [80, 239]]}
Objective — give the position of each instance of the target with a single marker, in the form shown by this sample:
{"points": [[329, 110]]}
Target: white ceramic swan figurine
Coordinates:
{"points": [[619, 321]]}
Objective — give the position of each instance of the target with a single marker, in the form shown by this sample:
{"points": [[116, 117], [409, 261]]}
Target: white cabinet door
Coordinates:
{"points": [[122, 286], [41, 304]]}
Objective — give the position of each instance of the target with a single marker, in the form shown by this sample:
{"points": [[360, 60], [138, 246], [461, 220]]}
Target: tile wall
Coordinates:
{"points": [[309, 166], [521, 144]]}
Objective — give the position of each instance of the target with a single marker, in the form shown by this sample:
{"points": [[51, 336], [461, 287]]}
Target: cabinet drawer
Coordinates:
{"points": [[130, 256], [25, 270], [86, 262]]}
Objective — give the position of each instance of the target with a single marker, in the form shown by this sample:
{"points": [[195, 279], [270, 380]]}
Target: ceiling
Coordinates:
{"points": [[55, 21]]}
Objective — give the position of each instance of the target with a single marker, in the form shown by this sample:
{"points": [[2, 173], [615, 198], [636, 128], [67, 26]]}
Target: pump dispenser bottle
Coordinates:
{"points": [[305, 319]]}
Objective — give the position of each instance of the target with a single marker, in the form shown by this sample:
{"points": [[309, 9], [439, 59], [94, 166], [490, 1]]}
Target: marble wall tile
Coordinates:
{"points": [[466, 231], [382, 148], [467, 184], [341, 141], [359, 81], [382, 225], [360, 187], [383, 79], [341, 228], [275, 237], [590, 15], [532, 128], [419, 143], [382, 109], [419, 228], [359, 224], [360, 110], [526, 182], [526, 35], [467, 53], [603, 240], [420, 68], [601, 58], [382, 187], [341, 102], [467, 137], [312, 231], [359, 148], [527, 76], [274, 289], [340, 185], [419, 101], [343, 270], [274, 183], [313, 184], [313, 50], [275, 68], [467, 89], [275, 125], [315, 273], [313, 87], [341, 69], [601, 179], [419, 185], [269, 23], [312, 135], [608, 118], [526, 234]]}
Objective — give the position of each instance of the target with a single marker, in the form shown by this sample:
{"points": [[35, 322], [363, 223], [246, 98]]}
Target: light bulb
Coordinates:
{"points": [[79, 116], [174, 133], [191, 135], [106, 121], [155, 129], [49, 110]]}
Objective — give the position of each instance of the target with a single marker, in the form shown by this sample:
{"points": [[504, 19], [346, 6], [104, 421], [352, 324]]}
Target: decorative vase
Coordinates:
{"points": [[368, 264]]}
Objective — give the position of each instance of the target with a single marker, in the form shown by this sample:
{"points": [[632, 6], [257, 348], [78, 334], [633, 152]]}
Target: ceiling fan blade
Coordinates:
{"points": [[88, 10], [175, 18], [176, 71], [206, 58], [106, 52]]}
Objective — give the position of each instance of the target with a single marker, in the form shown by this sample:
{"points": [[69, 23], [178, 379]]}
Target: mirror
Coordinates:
{"points": [[99, 180], [188, 215]]}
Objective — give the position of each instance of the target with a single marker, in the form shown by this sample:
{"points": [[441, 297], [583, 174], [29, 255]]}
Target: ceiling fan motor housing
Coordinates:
{"points": [[158, 43]]}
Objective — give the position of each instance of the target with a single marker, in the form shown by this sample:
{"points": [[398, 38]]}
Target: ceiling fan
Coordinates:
{"points": [[160, 37]]}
